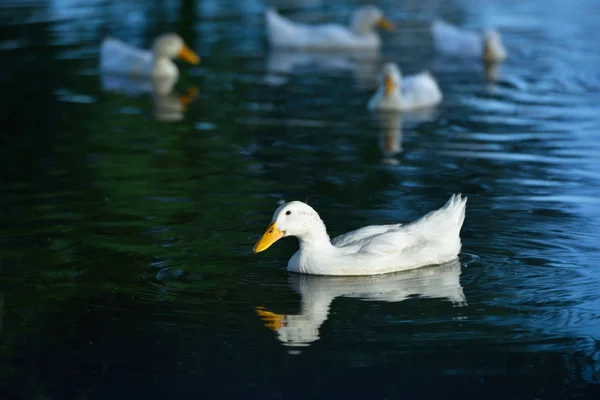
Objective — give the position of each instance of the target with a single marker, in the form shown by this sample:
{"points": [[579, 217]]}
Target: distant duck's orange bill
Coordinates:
{"points": [[389, 85], [188, 55], [386, 24]]}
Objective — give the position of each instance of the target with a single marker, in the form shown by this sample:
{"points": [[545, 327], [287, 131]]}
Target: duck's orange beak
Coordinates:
{"points": [[386, 24], [272, 321], [188, 55], [271, 235], [389, 85]]}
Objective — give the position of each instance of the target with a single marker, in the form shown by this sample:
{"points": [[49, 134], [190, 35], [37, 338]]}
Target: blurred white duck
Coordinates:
{"points": [[455, 41], [376, 249], [318, 292], [361, 33], [117, 57], [411, 93]]}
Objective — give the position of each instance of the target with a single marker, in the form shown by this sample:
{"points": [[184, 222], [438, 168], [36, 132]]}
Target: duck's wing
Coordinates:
{"points": [[121, 58], [452, 40], [436, 235], [285, 33], [361, 235], [421, 90]]}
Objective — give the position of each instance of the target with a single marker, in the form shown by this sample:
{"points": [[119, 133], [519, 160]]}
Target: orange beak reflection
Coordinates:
{"points": [[187, 98], [272, 321], [386, 24], [389, 85], [271, 235], [188, 55]]}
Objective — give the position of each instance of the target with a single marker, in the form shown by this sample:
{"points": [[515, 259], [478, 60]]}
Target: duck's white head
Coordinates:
{"points": [[171, 45], [366, 18], [292, 219], [493, 49], [388, 96]]}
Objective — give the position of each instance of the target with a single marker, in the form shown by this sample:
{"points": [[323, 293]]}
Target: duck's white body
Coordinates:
{"points": [[284, 33], [396, 93], [459, 42], [318, 292], [376, 249], [120, 58]]}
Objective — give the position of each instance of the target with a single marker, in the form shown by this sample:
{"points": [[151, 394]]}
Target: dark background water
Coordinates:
{"points": [[126, 268]]}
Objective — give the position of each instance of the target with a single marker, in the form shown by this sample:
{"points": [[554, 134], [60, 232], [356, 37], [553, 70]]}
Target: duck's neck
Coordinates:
{"points": [[394, 98], [164, 67], [315, 238]]}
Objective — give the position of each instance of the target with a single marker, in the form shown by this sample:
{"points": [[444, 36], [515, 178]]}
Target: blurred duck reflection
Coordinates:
{"points": [[318, 292], [391, 130], [363, 63], [169, 106]]}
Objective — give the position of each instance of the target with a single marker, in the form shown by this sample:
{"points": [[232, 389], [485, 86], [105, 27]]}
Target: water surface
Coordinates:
{"points": [[126, 267]]}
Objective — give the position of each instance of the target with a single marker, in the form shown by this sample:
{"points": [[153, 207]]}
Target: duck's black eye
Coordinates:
{"points": [[288, 212]]}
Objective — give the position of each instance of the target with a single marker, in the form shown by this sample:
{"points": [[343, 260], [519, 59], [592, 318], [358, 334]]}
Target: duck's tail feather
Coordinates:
{"points": [[456, 206]]}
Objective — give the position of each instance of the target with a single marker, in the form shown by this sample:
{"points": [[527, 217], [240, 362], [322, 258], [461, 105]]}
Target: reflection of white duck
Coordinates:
{"points": [[363, 63], [361, 34], [455, 41], [372, 250], [391, 130], [390, 137], [171, 106], [411, 93], [117, 57], [168, 105], [318, 292]]}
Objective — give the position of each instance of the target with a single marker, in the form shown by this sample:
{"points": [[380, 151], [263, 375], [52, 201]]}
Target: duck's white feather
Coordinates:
{"points": [[284, 33], [118, 57], [433, 239], [452, 40]]}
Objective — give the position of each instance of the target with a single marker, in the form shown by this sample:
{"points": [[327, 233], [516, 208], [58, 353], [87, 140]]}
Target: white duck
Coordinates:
{"points": [[459, 42], [284, 33], [318, 292], [376, 249], [411, 93], [117, 57]]}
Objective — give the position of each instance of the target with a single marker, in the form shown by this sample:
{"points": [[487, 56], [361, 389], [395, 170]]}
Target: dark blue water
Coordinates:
{"points": [[126, 267]]}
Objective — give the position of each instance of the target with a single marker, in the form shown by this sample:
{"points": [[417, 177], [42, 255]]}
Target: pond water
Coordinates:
{"points": [[127, 268]]}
